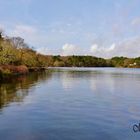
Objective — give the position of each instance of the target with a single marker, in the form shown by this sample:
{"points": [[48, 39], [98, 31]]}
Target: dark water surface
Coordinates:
{"points": [[71, 104]]}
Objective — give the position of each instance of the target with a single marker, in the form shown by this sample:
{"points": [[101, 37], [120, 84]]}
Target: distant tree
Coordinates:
{"points": [[118, 61], [137, 61], [19, 43]]}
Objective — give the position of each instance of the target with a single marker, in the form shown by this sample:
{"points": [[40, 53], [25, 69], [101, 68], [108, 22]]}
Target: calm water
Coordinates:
{"points": [[71, 104]]}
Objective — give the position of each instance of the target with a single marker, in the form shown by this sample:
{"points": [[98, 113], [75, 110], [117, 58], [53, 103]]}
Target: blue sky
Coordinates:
{"points": [[102, 28]]}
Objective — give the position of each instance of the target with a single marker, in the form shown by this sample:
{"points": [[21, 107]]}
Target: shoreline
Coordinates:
{"points": [[8, 71]]}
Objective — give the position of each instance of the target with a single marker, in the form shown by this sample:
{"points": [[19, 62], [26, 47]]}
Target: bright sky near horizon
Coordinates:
{"points": [[102, 28]]}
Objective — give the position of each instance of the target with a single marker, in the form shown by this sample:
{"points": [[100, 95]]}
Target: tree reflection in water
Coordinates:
{"points": [[17, 88]]}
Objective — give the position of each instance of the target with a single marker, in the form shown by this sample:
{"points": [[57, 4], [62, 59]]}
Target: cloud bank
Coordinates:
{"points": [[129, 47], [70, 49]]}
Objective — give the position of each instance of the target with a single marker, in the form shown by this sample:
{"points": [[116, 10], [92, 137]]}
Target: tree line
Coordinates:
{"points": [[92, 61], [14, 51]]}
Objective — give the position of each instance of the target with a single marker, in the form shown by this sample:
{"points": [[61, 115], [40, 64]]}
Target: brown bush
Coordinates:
{"points": [[14, 69]]}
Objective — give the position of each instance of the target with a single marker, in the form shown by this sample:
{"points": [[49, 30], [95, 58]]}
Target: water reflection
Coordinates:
{"points": [[17, 88], [71, 78], [71, 104]]}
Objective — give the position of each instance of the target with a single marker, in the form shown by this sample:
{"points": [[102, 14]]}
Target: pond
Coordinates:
{"points": [[71, 104]]}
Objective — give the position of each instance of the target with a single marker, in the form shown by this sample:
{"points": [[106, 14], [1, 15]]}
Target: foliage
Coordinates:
{"points": [[91, 61], [14, 51]]}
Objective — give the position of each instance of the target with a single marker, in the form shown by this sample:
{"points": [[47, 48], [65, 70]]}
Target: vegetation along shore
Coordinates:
{"points": [[16, 57]]}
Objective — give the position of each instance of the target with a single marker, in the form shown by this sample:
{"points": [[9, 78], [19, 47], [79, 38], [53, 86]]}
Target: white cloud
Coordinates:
{"points": [[24, 29], [129, 48], [112, 47], [32, 35], [94, 48], [100, 51], [70, 49], [48, 51], [136, 21], [43, 50], [51, 43]]}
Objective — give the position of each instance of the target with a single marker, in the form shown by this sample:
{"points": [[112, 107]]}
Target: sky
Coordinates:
{"points": [[102, 28]]}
